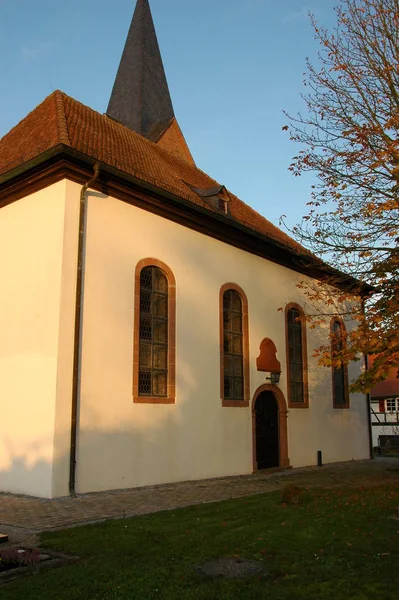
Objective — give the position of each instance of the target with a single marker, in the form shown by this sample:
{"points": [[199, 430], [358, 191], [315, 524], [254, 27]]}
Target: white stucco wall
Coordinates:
{"points": [[31, 247], [122, 444]]}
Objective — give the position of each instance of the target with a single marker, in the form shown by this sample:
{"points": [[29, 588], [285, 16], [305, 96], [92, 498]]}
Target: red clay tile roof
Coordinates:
{"points": [[62, 120], [388, 387]]}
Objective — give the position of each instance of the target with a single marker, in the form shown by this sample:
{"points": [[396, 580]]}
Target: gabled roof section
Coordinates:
{"points": [[171, 138], [61, 120], [140, 98]]}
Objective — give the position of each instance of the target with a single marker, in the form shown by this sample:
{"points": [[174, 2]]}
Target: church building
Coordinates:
{"points": [[152, 328]]}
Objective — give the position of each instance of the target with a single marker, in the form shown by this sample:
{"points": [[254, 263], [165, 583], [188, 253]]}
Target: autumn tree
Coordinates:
{"points": [[349, 136]]}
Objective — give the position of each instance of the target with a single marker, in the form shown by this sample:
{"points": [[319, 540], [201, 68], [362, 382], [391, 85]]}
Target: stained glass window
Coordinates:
{"points": [[295, 354], [338, 372], [153, 333], [233, 346]]}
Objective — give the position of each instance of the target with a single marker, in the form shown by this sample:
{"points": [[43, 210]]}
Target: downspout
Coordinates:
{"points": [[78, 327], [366, 366], [368, 400]]}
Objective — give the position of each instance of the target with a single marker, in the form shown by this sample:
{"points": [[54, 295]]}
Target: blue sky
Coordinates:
{"points": [[232, 67]]}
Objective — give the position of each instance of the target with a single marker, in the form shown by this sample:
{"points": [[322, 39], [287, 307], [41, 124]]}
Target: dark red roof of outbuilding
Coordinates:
{"points": [[387, 388]]}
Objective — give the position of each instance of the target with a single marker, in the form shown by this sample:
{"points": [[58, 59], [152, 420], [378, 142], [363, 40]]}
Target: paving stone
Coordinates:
{"points": [[24, 517]]}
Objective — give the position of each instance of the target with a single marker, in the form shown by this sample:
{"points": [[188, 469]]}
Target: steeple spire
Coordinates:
{"points": [[140, 97]]}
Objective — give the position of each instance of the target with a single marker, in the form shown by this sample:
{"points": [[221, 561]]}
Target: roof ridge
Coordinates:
{"points": [[62, 125], [42, 128], [54, 95], [25, 117], [165, 125]]}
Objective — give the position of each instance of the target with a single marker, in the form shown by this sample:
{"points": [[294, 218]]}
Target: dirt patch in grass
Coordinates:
{"points": [[231, 568]]}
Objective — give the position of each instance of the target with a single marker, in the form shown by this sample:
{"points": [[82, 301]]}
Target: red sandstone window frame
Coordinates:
{"points": [[336, 404], [305, 403], [245, 346], [170, 398]]}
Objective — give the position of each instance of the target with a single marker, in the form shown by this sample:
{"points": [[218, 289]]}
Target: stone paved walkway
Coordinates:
{"points": [[23, 517]]}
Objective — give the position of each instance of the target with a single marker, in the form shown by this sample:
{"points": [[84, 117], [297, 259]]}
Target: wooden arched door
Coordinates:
{"points": [[267, 427]]}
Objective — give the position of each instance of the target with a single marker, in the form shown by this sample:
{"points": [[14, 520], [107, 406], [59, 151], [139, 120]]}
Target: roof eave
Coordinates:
{"points": [[286, 257], [32, 164]]}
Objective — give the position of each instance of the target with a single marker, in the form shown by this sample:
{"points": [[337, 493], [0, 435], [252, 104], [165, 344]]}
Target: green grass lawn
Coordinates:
{"points": [[336, 544]]}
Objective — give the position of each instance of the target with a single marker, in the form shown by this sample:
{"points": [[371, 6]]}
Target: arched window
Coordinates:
{"points": [[154, 334], [339, 372], [296, 350], [234, 346]]}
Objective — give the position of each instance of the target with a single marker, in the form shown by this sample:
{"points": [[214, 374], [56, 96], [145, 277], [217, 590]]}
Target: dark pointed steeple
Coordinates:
{"points": [[140, 97]]}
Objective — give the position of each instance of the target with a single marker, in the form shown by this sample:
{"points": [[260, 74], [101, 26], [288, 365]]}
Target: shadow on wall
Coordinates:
{"points": [[131, 446], [106, 460], [163, 443], [22, 477], [170, 450], [351, 424], [167, 449]]}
